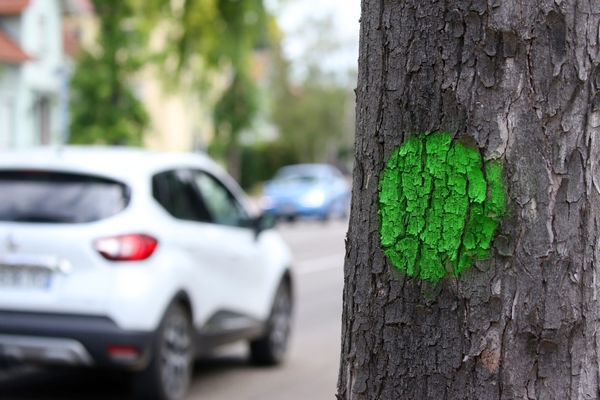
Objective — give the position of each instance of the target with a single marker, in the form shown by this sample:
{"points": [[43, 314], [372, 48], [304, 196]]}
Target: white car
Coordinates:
{"points": [[136, 260]]}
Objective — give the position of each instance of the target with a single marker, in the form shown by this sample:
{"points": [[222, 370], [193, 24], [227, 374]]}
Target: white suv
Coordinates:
{"points": [[136, 260]]}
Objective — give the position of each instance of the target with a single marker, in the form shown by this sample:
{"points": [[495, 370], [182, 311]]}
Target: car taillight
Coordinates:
{"points": [[134, 247]]}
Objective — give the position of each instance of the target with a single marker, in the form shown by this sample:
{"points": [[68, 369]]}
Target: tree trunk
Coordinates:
{"points": [[522, 79]]}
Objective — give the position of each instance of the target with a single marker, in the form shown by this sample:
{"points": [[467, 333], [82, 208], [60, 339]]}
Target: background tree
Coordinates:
{"points": [[203, 36], [208, 35], [311, 116], [519, 83], [104, 108], [310, 106]]}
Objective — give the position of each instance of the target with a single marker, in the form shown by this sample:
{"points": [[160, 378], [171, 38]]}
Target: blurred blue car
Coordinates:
{"points": [[307, 190]]}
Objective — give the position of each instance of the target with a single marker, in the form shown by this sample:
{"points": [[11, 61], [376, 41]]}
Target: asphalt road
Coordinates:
{"points": [[309, 373]]}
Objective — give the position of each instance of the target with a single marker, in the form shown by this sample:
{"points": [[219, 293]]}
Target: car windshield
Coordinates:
{"points": [[57, 197], [300, 175]]}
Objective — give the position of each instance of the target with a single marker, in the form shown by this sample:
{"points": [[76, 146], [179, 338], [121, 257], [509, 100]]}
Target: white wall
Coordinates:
{"points": [[9, 89], [40, 35], [9, 86], [42, 39]]}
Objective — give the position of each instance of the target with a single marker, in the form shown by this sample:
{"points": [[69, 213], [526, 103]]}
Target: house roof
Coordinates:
{"points": [[11, 7], [10, 52]]}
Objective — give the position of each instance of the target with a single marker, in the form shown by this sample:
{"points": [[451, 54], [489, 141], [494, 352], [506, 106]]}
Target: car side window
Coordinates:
{"points": [[174, 191], [220, 202]]}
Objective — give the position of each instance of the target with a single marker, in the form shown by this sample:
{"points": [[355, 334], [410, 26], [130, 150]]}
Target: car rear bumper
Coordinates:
{"points": [[77, 340]]}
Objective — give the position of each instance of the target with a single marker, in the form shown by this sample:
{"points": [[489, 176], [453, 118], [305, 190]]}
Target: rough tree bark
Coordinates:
{"points": [[521, 77]]}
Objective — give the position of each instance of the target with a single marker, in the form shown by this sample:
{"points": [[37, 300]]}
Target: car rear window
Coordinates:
{"points": [[58, 197]]}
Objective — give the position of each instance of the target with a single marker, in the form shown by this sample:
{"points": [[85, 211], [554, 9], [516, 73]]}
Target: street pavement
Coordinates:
{"points": [[310, 372]]}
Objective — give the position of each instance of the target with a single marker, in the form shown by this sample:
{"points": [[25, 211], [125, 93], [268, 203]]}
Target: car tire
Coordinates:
{"points": [[169, 373], [270, 349]]}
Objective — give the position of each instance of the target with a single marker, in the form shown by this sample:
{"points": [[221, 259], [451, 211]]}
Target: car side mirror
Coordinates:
{"points": [[262, 222]]}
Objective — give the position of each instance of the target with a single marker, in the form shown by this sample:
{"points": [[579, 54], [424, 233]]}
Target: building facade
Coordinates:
{"points": [[33, 92]]}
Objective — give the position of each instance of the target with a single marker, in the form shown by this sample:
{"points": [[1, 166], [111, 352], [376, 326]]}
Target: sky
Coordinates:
{"points": [[295, 18]]}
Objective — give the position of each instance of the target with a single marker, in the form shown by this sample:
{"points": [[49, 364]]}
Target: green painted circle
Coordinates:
{"points": [[439, 205]]}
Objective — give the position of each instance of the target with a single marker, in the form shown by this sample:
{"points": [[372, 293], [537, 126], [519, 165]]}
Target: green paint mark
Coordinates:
{"points": [[439, 206]]}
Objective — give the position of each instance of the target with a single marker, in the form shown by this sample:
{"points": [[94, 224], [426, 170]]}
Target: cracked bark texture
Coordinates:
{"points": [[522, 78]]}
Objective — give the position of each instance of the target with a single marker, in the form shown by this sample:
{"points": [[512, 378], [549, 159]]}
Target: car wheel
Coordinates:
{"points": [[270, 349], [168, 375]]}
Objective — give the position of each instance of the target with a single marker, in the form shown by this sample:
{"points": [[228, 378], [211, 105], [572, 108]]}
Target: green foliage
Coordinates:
{"points": [[312, 120], [223, 35], [313, 114], [201, 35], [260, 161], [236, 109], [439, 206], [104, 109], [221, 32]]}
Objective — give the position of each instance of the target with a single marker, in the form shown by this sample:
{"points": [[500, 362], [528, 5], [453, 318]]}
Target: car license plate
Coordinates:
{"points": [[26, 272], [24, 277]]}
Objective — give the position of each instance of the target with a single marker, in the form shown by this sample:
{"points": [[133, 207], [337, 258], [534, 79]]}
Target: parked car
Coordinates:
{"points": [[135, 260], [307, 190]]}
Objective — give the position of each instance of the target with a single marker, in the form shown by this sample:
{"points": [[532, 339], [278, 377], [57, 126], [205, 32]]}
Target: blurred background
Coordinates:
{"points": [[256, 84]]}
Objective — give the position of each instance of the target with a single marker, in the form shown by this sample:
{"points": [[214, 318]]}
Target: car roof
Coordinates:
{"points": [[317, 170], [123, 163], [308, 167]]}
